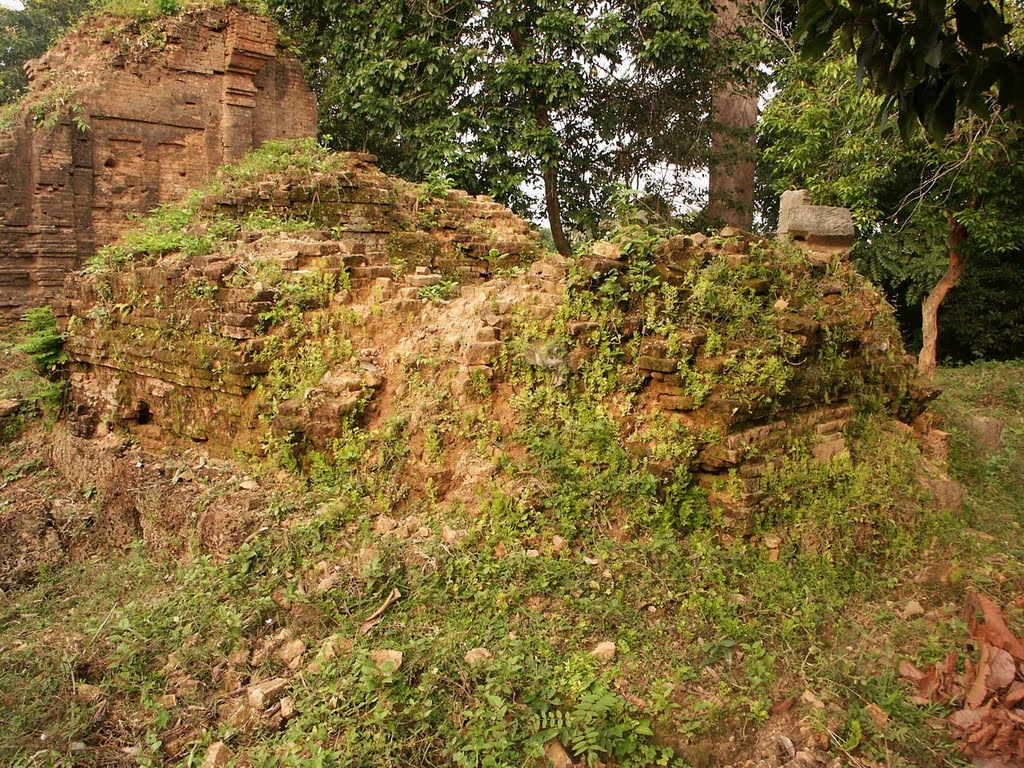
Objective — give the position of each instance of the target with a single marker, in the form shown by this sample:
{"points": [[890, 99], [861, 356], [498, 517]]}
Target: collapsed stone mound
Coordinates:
{"points": [[306, 301], [174, 330], [123, 115]]}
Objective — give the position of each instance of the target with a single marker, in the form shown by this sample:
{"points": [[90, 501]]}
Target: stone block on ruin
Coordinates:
{"points": [[817, 225]]}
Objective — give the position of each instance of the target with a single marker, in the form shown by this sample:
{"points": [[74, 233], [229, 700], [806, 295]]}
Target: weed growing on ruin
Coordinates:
{"points": [[438, 292], [265, 221], [170, 229], [32, 381], [313, 290], [299, 362], [56, 104], [42, 342], [479, 384], [436, 184], [46, 108], [201, 289], [845, 507], [253, 271], [298, 158], [148, 10]]}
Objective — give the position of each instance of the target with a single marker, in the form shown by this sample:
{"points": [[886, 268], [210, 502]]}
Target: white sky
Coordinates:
{"points": [[11, 4]]}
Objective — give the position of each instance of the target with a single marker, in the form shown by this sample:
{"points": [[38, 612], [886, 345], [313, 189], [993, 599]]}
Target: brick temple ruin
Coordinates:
{"points": [[117, 122], [409, 286]]}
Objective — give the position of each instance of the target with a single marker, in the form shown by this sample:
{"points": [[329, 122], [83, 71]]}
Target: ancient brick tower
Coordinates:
{"points": [[117, 122]]}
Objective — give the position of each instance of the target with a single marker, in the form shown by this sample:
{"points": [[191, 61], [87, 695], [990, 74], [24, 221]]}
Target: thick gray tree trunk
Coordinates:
{"points": [[733, 140]]}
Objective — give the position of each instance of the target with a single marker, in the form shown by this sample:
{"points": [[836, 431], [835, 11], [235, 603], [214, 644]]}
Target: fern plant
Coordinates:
{"points": [[599, 726], [43, 343]]}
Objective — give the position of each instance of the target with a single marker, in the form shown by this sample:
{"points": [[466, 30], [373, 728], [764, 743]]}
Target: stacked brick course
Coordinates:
{"points": [[209, 86], [172, 349]]}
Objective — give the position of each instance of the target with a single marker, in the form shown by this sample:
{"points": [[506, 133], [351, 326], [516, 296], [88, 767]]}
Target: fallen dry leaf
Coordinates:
{"points": [[1002, 670], [1016, 715], [978, 691], [1015, 696], [994, 629], [783, 706], [983, 735], [948, 676], [879, 717], [375, 619], [1004, 737], [966, 718], [909, 672]]}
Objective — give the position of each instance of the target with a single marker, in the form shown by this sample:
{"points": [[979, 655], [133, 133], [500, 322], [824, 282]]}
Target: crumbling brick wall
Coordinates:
{"points": [[175, 347], [112, 128]]}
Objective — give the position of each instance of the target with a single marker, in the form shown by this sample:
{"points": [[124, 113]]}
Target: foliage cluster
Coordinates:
{"points": [[43, 343], [506, 98], [171, 228], [930, 59], [276, 159], [824, 132], [36, 386]]}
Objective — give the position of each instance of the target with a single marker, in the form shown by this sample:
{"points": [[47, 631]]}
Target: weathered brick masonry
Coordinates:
{"points": [[152, 353], [162, 110]]}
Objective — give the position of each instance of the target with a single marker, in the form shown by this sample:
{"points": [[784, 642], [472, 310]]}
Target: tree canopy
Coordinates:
{"points": [[909, 198], [929, 58], [26, 33], [573, 97]]}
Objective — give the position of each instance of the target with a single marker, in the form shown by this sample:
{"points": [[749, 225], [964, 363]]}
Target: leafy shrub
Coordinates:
{"points": [[439, 292]]}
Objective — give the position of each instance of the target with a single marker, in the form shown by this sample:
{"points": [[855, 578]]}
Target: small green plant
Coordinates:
{"points": [[436, 184], [43, 343], [267, 221], [201, 289], [439, 291], [599, 726], [479, 384], [55, 104]]}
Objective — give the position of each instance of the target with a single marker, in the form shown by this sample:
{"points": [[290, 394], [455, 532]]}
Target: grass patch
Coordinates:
{"points": [[709, 631]]}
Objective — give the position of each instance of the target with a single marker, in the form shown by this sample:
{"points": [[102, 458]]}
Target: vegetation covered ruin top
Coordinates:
{"points": [[528, 462], [310, 465]]}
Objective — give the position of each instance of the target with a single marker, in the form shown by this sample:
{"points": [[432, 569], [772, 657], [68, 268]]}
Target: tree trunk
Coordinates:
{"points": [[554, 209], [926, 361], [549, 172], [733, 140]]}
